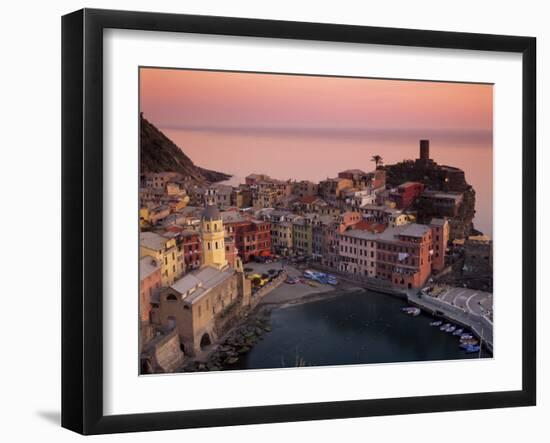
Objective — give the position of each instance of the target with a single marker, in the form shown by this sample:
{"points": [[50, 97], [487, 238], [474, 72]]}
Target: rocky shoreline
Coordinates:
{"points": [[234, 345]]}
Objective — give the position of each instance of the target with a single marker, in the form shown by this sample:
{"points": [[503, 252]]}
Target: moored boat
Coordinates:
{"points": [[472, 348], [451, 329], [411, 310], [436, 323], [444, 327], [458, 332]]}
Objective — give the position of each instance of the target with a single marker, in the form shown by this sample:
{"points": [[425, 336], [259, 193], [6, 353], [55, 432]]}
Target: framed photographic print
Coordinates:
{"points": [[269, 221]]}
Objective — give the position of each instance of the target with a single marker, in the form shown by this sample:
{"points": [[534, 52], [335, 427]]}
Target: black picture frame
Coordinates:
{"points": [[82, 218]]}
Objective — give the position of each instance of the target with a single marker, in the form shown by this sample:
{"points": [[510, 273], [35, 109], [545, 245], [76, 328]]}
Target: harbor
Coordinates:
{"points": [[307, 321], [353, 326]]}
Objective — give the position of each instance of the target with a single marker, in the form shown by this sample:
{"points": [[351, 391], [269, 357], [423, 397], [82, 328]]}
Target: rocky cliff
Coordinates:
{"points": [[441, 178], [160, 154]]}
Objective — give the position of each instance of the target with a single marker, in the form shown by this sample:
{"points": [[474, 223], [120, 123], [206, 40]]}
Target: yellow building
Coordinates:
{"points": [[281, 237], [302, 236], [212, 236], [143, 216], [166, 254]]}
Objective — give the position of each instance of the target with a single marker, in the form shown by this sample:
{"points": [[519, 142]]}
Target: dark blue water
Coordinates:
{"points": [[354, 328]]}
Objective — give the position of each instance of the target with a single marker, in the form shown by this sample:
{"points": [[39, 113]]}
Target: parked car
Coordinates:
{"points": [[292, 280]]}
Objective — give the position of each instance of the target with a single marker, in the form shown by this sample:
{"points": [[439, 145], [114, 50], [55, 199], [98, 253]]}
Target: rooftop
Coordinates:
{"points": [[202, 280], [152, 240], [354, 171], [211, 212], [409, 184], [438, 221], [389, 233], [442, 195], [308, 199], [147, 265], [414, 230]]}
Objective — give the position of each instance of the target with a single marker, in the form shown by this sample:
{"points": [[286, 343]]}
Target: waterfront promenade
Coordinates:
{"points": [[470, 318]]}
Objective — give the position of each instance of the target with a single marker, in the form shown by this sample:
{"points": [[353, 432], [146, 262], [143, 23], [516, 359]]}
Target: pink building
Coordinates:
{"points": [[149, 281]]}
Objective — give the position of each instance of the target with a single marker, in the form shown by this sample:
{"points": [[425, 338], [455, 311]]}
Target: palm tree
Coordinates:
{"points": [[377, 159]]}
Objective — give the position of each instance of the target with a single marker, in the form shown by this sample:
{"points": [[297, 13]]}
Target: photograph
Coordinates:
{"points": [[294, 221]]}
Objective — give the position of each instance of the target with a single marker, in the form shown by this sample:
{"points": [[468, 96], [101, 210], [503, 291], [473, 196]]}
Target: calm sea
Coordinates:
{"points": [[354, 328], [318, 154]]}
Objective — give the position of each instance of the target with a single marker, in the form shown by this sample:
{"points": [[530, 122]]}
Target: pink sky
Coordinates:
{"points": [[291, 126], [209, 99]]}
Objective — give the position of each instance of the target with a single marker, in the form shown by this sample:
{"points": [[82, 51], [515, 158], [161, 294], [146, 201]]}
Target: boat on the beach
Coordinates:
{"points": [[436, 323], [320, 277]]}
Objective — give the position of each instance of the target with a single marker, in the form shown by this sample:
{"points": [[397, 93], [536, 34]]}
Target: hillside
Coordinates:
{"points": [[160, 154]]}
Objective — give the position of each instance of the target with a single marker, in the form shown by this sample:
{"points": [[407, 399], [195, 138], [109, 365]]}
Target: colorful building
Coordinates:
{"points": [[191, 248], [302, 235], [150, 280], [399, 255], [252, 237], [164, 251], [406, 194], [331, 189]]}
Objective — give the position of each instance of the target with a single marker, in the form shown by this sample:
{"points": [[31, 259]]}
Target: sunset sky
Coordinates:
{"points": [[309, 127], [209, 99]]}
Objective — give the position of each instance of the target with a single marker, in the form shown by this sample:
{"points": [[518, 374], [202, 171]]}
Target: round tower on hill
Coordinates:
{"points": [[212, 236], [424, 150]]}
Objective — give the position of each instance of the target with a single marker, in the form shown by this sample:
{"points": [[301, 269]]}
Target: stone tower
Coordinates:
{"points": [[212, 236], [425, 150]]}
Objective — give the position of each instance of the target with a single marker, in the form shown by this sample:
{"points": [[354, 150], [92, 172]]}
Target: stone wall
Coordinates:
{"points": [[163, 353], [257, 297]]}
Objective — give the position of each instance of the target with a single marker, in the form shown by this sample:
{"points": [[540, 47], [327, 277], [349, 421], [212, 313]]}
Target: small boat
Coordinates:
{"points": [[444, 327], [469, 341], [436, 323], [466, 336], [451, 329], [411, 310], [472, 349], [458, 332]]}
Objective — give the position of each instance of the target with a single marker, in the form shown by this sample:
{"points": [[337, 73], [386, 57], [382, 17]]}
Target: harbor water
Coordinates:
{"points": [[352, 328]]}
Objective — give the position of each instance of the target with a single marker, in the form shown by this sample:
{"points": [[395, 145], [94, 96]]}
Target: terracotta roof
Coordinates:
{"points": [[370, 226], [308, 199]]}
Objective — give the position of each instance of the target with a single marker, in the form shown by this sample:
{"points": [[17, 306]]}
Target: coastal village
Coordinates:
{"points": [[210, 252]]}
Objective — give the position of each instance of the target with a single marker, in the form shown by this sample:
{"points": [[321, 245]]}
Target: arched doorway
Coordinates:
{"points": [[205, 341], [171, 323]]}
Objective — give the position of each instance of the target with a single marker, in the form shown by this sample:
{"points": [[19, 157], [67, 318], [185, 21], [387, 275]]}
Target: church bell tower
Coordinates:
{"points": [[212, 236]]}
